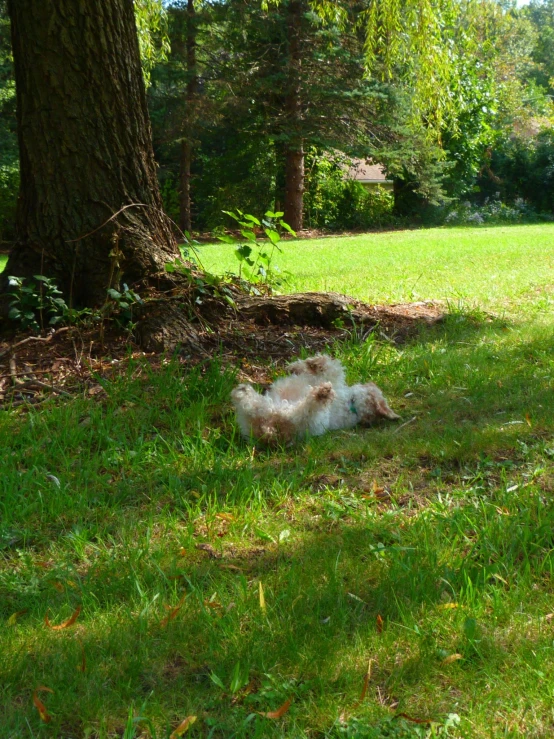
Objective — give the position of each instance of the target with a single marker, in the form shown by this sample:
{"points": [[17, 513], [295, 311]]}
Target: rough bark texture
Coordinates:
{"points": [[294, 148], [185, 214], [165, 324], [85, 149]]}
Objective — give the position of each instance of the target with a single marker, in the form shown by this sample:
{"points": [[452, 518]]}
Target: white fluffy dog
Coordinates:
{"points": [[312, 399]]}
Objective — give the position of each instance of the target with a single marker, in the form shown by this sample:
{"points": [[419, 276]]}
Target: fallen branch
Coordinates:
{"points": [[30, 372], [45, 386], [44, 339], [28, 401]]}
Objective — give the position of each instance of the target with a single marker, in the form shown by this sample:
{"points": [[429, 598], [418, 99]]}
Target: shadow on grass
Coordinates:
{"points": [[324, 598], [137, 486]]}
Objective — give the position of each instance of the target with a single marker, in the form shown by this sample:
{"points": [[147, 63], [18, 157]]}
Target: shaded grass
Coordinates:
{"points": [[3, 261], [497, 267], [104, 504]]}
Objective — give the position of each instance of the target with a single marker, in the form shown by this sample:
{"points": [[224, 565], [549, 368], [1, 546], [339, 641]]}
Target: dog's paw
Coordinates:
{"points": [[296, 368], [323, 393]]}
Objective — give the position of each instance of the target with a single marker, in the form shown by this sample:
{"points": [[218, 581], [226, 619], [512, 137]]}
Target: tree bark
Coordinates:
{"points": [[186, 143], [294, 147], [85, 149]]}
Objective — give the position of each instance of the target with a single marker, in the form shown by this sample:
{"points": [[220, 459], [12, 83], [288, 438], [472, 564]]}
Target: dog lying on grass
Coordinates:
{"points": [[312, 399]]}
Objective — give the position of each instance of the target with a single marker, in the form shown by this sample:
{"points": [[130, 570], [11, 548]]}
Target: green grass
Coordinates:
{"points": [[3, 260], [491, 266], [108, 504]]}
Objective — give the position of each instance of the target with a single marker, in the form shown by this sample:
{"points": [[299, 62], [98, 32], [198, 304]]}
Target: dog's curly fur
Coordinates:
{"points": [[312, 399]]}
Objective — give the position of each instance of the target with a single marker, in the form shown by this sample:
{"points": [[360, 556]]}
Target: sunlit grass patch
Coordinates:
{"points": [[501, 268], [422, 548]]}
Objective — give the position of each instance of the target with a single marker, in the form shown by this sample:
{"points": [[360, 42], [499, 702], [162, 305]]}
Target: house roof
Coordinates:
{"points": [[362, 171]]}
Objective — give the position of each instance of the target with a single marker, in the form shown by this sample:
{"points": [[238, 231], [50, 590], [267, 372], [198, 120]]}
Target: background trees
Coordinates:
{"points": [[259, 106]]}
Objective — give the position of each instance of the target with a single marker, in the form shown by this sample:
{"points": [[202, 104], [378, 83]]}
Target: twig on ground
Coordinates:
{"points": [[396, 430], [30, 372], [7, 405], [45, 386], [44, 339], [13, 369]]}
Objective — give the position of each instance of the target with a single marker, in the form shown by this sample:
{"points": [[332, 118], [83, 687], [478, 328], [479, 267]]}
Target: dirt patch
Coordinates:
{"points": [[257, 335]]}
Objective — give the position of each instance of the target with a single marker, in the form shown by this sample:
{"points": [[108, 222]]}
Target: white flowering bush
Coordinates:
{"points": [[491, 212]]}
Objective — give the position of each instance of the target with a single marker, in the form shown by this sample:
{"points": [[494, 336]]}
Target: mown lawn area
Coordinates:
{"points": [[493, 267], [395, 581]]}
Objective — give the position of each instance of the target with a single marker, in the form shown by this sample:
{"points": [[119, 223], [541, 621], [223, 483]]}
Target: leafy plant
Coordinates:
{"points": [[36, 301], [203, 283], [254, 255], [121, 304]]}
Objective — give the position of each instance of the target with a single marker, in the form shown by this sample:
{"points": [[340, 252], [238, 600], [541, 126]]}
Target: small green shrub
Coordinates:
{"points": [[36, 302], [255, 257], [121, 305]]}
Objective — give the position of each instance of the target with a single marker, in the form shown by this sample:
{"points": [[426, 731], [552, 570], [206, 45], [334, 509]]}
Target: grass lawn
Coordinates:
{"points": [[493, 267], [222, 581]]}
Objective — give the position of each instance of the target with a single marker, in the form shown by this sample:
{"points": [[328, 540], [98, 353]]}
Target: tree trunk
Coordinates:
{"points": [[85, 149], [294, 147], [185, 218], [186, 144]]}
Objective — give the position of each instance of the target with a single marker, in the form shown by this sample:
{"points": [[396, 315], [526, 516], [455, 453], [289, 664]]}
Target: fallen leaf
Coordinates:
{"points": [[528, 419], [451, 658], [13, 618], [367, 678], [279, 712], [355, 597], [215, 605], [182, 552], [59, 587], [41, 708], [380, 624], [447, 606], [225, 517], [549, 617], [262, 597], [70, 621], [377, 489], [173, 611], [183, 727], [233, 568]]}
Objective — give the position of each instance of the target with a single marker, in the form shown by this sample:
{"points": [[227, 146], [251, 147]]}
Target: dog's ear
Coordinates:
{"points": [[383, 409], [316, 365]]}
